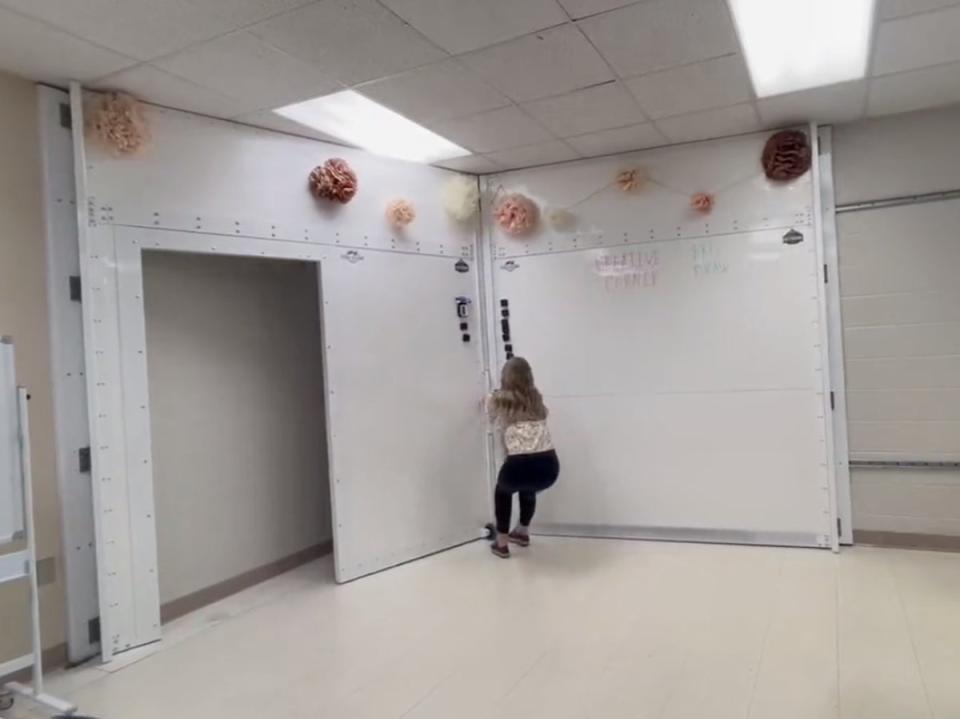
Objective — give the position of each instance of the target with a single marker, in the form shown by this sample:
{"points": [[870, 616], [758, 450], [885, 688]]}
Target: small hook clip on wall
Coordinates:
{"points": [[792, 237]]}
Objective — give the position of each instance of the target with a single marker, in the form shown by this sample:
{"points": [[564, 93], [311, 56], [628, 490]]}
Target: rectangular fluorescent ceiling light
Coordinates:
{"points": [[358, 120], [795, 45]]}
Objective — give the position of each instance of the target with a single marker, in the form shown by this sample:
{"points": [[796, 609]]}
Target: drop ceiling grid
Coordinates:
{"points": [[427, 47], [894, 87]]}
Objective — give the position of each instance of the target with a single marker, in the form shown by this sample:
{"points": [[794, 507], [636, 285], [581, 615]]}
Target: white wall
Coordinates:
{"points": [[239, 438], [901, 317], [23, 315]]}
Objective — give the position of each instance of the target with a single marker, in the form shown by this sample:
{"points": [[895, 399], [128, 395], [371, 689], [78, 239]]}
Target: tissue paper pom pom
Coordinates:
{"points": [[334, 180], [702, 202], [560, 219], [118, 122], [631, 180], [400, 213], [786, 156], [461, 197], [516, 214]]}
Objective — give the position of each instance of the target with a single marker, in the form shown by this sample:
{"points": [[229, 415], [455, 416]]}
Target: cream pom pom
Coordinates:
{"points": [[560, 219], [461, 197]]}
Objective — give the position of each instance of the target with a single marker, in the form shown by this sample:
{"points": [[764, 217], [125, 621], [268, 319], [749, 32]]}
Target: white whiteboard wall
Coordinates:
{"points": [[11, 483], [681, 355]]}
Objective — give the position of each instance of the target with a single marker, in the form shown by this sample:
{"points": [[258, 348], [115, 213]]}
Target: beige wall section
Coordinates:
{"points": [[899, 155], [234, 357], [897, 305], [23, 314]]}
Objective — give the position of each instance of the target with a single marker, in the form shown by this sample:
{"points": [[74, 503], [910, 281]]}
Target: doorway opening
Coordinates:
{"points": [[238, 423]]}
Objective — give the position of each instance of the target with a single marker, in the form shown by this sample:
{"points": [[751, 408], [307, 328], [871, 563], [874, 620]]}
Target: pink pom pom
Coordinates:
{"points": [[516, 214], [334, 180], [400, 213], [702, 202]]}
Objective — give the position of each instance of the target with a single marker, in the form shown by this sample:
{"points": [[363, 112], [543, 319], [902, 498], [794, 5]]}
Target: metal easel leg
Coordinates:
{"points": [[35, 691]]}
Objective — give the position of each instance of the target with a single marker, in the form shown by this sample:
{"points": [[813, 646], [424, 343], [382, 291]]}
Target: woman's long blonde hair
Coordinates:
{"points": [[518, 399]]}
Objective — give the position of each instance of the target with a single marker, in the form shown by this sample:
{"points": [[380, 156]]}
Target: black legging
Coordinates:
{"points": [[525, 474]]}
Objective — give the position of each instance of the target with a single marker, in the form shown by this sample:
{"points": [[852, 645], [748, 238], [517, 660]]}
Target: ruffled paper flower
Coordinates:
{"points": [[334, 180], [400, 213], [516, 214], [631, 180], [460, 197], [701, 202], [117, 122], [786, 156], [560, 219]]}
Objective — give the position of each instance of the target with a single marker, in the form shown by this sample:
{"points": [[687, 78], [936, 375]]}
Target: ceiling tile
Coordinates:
{"points": [[622, 139], [271, 121], [493, 130], [242, 66], [918, 41], [477, 164], [929, 87], [463, 25], [898, 8], [546, 63], [583, 8], [162, 88], [35, 50], [837, 103], [350, 40], [587, 110], [658, 34], [146, 29], [441, 90], [704, 85], [530, 155], [712, 123]]}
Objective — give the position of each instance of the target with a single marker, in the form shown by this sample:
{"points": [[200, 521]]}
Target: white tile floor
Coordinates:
{"points": [[569, 629]]}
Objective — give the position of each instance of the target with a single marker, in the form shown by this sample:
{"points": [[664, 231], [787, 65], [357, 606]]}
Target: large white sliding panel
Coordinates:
{"points": [[407, 440], [683, 379], [407, 447], [682, 354]]}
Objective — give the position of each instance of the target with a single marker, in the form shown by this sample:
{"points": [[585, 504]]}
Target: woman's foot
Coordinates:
{"points": [[520, 536], [500, 550]]}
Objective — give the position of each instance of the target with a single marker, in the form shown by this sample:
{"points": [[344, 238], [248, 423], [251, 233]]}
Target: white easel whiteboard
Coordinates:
{"points": [[11, 489]]}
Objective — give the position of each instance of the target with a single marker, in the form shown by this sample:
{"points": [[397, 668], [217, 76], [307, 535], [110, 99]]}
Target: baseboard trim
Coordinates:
{"points": [[907, 540], [190, 603], [54, 657]]}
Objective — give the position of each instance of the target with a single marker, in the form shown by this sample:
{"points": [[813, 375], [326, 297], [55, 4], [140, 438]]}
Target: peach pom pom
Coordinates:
{"points": [[118, 123], [631, 180], [400, 213], [516, 214], [702, 202]]}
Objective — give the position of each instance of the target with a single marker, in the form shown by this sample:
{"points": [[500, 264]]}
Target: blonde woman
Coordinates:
{"points": [[531, 465]]}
